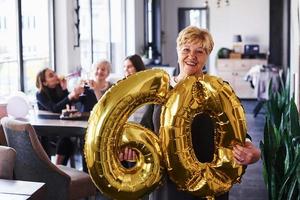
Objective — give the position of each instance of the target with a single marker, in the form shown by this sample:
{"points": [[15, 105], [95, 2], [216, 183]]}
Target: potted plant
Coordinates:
{"points": [[281, 146]]}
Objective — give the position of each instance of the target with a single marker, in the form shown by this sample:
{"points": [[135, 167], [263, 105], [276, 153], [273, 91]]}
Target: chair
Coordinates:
{"points": [[2, 137], [33, 164], [7, 162]]}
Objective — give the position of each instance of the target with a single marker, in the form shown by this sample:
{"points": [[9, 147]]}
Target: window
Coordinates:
{"points": [[102, 32], [152, 30], [192, 16], [25, 46]]}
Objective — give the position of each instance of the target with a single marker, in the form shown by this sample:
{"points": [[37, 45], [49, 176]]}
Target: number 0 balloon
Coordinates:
{"points": [[108, 132]]}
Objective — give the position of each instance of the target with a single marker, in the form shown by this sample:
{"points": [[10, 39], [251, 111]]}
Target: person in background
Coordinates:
{"points": [[133, 64], [95, 88], [53, 95], [194, 45]]}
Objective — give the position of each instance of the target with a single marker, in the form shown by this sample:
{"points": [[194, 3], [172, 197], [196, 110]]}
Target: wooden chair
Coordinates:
{"points": [[33, 164]]}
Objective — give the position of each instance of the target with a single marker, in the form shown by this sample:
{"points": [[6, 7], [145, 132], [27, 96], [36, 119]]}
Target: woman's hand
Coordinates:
{"points": [[247, 154], [63, 83], [128, 154], [77, 91], [92, 84]]}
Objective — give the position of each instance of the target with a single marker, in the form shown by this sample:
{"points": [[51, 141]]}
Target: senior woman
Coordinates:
{"points": [[96, 86], [193, 48]]}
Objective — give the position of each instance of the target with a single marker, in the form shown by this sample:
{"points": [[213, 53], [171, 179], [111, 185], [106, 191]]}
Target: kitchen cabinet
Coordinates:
{"points": [[234, 72]]}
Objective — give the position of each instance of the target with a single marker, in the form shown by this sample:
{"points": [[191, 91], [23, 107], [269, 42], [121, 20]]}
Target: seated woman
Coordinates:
{"points": [[52, 95], [133, 64], [96, 87]]}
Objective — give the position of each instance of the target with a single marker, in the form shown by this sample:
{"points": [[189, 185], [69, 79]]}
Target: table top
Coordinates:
{"points": [[47, 123], [13, 197], [17, 189], [36, 119]]}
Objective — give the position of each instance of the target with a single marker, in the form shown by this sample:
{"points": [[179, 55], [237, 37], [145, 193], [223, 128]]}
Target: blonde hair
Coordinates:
{"points": [[101, 62], [193, 34]]}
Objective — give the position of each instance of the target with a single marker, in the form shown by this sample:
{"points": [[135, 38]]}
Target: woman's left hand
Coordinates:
{"points": [[128, 154], [247, 154]]}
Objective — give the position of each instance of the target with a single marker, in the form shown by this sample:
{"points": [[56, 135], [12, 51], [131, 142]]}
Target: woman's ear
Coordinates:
{"points": [[44, 84]]}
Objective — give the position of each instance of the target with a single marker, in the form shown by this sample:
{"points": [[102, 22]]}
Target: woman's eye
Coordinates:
{"points": [[200, 51], [185, 50]]}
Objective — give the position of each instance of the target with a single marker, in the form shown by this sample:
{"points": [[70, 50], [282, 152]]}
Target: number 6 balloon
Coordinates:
{"points": [[108, 131]]}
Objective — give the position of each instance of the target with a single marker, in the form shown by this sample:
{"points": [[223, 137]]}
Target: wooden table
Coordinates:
{"points": [[17, 190], [49, 124]]}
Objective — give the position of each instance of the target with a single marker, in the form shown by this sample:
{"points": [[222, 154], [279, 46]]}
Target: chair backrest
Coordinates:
{"points": [[32, 163], [7, 162], [2, 137]]}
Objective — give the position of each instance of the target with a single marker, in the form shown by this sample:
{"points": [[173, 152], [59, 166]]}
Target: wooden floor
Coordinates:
{"points": [[252, 186]]}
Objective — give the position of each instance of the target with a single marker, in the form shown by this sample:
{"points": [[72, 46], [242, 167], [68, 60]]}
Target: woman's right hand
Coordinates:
{"points": [[77, 91], [63, 82], [92, 84]]}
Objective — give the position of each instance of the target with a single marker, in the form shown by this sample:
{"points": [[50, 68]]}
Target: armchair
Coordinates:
{"points": [[33, 164], [7, 162]]}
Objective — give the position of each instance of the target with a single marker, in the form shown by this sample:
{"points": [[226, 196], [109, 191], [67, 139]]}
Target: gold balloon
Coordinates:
{"points": [[108, 131], [216, 98]]}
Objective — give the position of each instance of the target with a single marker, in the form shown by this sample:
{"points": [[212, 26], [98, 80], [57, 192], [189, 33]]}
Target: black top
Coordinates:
{"points": [[53, 100], [89, 99]]}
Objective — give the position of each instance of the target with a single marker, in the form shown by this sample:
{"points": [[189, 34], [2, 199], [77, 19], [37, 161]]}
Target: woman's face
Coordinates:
{"points": [[51, 79], [101, 72], [129, 69], [191, 58]]}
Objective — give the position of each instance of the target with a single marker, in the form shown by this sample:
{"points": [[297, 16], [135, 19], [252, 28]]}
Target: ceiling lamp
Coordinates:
{"points": [[219, 2]]}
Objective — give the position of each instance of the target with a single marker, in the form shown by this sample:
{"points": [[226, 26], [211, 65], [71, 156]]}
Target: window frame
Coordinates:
{"points": [[20, 42]]}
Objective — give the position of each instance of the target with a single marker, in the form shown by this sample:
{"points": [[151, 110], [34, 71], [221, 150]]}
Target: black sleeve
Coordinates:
{"points": [[248, 136], [44, 103], [147, 120]]}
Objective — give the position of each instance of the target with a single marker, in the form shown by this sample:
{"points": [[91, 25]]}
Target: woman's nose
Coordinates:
{"points": [[192, 53]]}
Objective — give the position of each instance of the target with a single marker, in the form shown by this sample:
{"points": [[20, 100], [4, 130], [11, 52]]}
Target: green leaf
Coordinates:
{"points": [[294, 117], [288, 176], [292, 190]]}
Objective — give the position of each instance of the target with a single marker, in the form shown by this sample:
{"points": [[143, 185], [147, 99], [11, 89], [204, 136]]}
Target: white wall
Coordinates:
{"points": [[135, 27], [67, 57], [250, 18]]}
